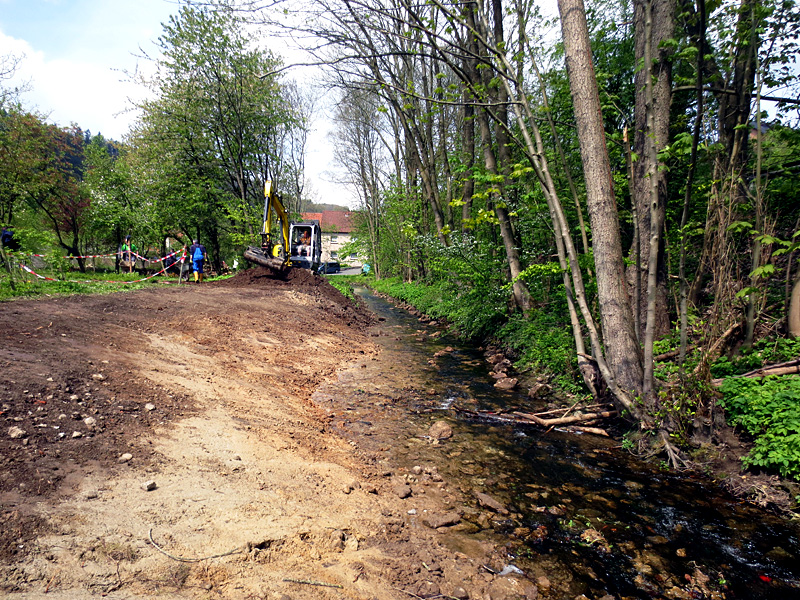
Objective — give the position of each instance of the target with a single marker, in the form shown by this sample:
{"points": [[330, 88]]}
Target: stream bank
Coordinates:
{"points": [[574, 513], [265, 439]]}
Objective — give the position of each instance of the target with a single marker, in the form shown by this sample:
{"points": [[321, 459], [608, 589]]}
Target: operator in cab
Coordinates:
{"points": [[305, 243]]}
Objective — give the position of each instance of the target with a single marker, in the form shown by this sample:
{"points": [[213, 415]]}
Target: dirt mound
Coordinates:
{"points": [[264, 276], [307, 282], [255, 276]]}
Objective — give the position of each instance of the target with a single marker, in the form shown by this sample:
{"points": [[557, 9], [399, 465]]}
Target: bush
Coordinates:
{"points": [[545, 344], [769, 410], [474, 312], [763, 352]]}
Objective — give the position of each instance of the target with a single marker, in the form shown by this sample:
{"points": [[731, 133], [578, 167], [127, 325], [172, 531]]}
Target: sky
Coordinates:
{"points": [[75, 54]]}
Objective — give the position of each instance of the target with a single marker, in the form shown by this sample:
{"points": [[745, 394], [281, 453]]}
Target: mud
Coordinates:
{"points": [[176, 442]]}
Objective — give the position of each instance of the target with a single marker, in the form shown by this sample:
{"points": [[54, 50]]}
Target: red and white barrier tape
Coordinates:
{"points": [[32, 272], [138, 256], [179, 262], [87, 256], [152, 260]]}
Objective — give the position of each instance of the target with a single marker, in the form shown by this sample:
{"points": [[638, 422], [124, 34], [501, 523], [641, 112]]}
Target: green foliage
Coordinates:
{"points": [[71, 283], [545, 343], [343, 285], [763, 352], [472, 312], [769, 410]]}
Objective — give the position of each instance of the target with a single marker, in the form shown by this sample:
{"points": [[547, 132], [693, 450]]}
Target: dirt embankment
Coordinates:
{"points": [[165, 443]]}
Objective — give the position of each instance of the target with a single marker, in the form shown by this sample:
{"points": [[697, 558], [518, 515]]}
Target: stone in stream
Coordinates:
{"points": [[445, 520], [503, 365], [596, 539], [509, 383], [495, 358], [440, 430], [487, 501], [538, 390], [543, 583]]}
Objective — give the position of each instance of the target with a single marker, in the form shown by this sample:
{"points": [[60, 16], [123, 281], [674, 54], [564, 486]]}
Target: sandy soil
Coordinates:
{"points": [[168, 443]]}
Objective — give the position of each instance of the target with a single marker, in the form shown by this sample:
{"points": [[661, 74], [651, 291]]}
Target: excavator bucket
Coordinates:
{"points": [[259, 257]]}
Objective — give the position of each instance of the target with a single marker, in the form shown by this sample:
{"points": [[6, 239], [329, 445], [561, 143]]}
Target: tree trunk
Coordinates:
{"points": [[521, 294], [468, 153], [622, 349], [654, 58]]}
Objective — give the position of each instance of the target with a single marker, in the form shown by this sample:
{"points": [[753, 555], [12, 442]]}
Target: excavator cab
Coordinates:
{"points": [[299, 244], [306, 244]]}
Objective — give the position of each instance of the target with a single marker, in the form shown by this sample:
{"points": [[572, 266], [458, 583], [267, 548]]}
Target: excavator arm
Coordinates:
{"points": [[269, 255], [272, 202]]}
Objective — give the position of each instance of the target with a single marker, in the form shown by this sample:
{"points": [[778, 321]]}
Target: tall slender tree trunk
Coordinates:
{"points": [[468, 153], [654, 23], [622, 348], [699, 114], [521, 294]]}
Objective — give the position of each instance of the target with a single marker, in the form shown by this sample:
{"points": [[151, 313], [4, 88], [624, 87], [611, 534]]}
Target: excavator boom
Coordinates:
{"points": [[288, 251]]}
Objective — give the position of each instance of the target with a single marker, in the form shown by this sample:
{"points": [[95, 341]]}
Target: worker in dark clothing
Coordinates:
{"points": [[8, 239], [197, 254]]}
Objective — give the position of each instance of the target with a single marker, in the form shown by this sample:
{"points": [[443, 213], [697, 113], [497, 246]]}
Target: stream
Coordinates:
{"points": [[583, 512]]}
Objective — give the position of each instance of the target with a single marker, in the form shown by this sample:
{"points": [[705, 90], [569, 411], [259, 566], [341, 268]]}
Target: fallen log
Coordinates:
{"points": [[580, 418], [566, 410], [667, 355], [592, 430], [786, 368], [521, 418]]}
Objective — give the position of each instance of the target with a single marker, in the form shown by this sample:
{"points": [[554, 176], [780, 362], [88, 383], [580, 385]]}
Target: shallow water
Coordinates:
{"points": [[584, 513]]}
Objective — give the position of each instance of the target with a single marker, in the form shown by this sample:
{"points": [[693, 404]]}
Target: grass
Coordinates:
{"points": [[68, 283]]}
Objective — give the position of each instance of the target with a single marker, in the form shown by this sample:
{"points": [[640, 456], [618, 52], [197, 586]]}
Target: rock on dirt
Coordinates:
{"points": [[441, 520], [487, 501], [512, 588]]}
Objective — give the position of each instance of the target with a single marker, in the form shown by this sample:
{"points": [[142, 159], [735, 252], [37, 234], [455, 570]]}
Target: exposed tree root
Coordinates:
{"points": [[676, 461]]}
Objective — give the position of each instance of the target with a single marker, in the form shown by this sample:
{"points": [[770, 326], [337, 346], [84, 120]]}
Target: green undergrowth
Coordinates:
{"points": [[768, 409], [343, 284], [541, 340], [546, 345], [71, 283], [473, 313]]}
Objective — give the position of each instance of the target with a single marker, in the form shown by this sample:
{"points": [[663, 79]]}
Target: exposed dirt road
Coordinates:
{"points": [[203, 393]]}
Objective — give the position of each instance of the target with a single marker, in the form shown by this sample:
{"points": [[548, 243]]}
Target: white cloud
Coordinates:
{"points": [[92, 95]]}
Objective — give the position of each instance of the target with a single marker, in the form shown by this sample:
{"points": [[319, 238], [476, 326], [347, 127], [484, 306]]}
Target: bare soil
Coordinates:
{"points": [[167, 443]]}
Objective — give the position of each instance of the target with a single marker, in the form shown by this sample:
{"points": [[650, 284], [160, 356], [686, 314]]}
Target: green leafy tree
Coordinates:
{"points": [[208, 142]]}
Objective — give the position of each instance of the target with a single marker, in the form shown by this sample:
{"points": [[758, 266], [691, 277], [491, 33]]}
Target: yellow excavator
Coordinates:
{"points": [[299, 245]]}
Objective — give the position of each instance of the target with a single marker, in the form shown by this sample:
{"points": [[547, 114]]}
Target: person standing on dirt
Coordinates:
{"points": [[197, 252], [127, 254]]}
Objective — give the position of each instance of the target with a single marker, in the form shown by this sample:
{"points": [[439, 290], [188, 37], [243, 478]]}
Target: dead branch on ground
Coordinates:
{"points": [[786, 368]]}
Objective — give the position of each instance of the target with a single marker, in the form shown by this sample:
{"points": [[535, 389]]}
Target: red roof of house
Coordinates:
{"points": [[332, 221]]}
